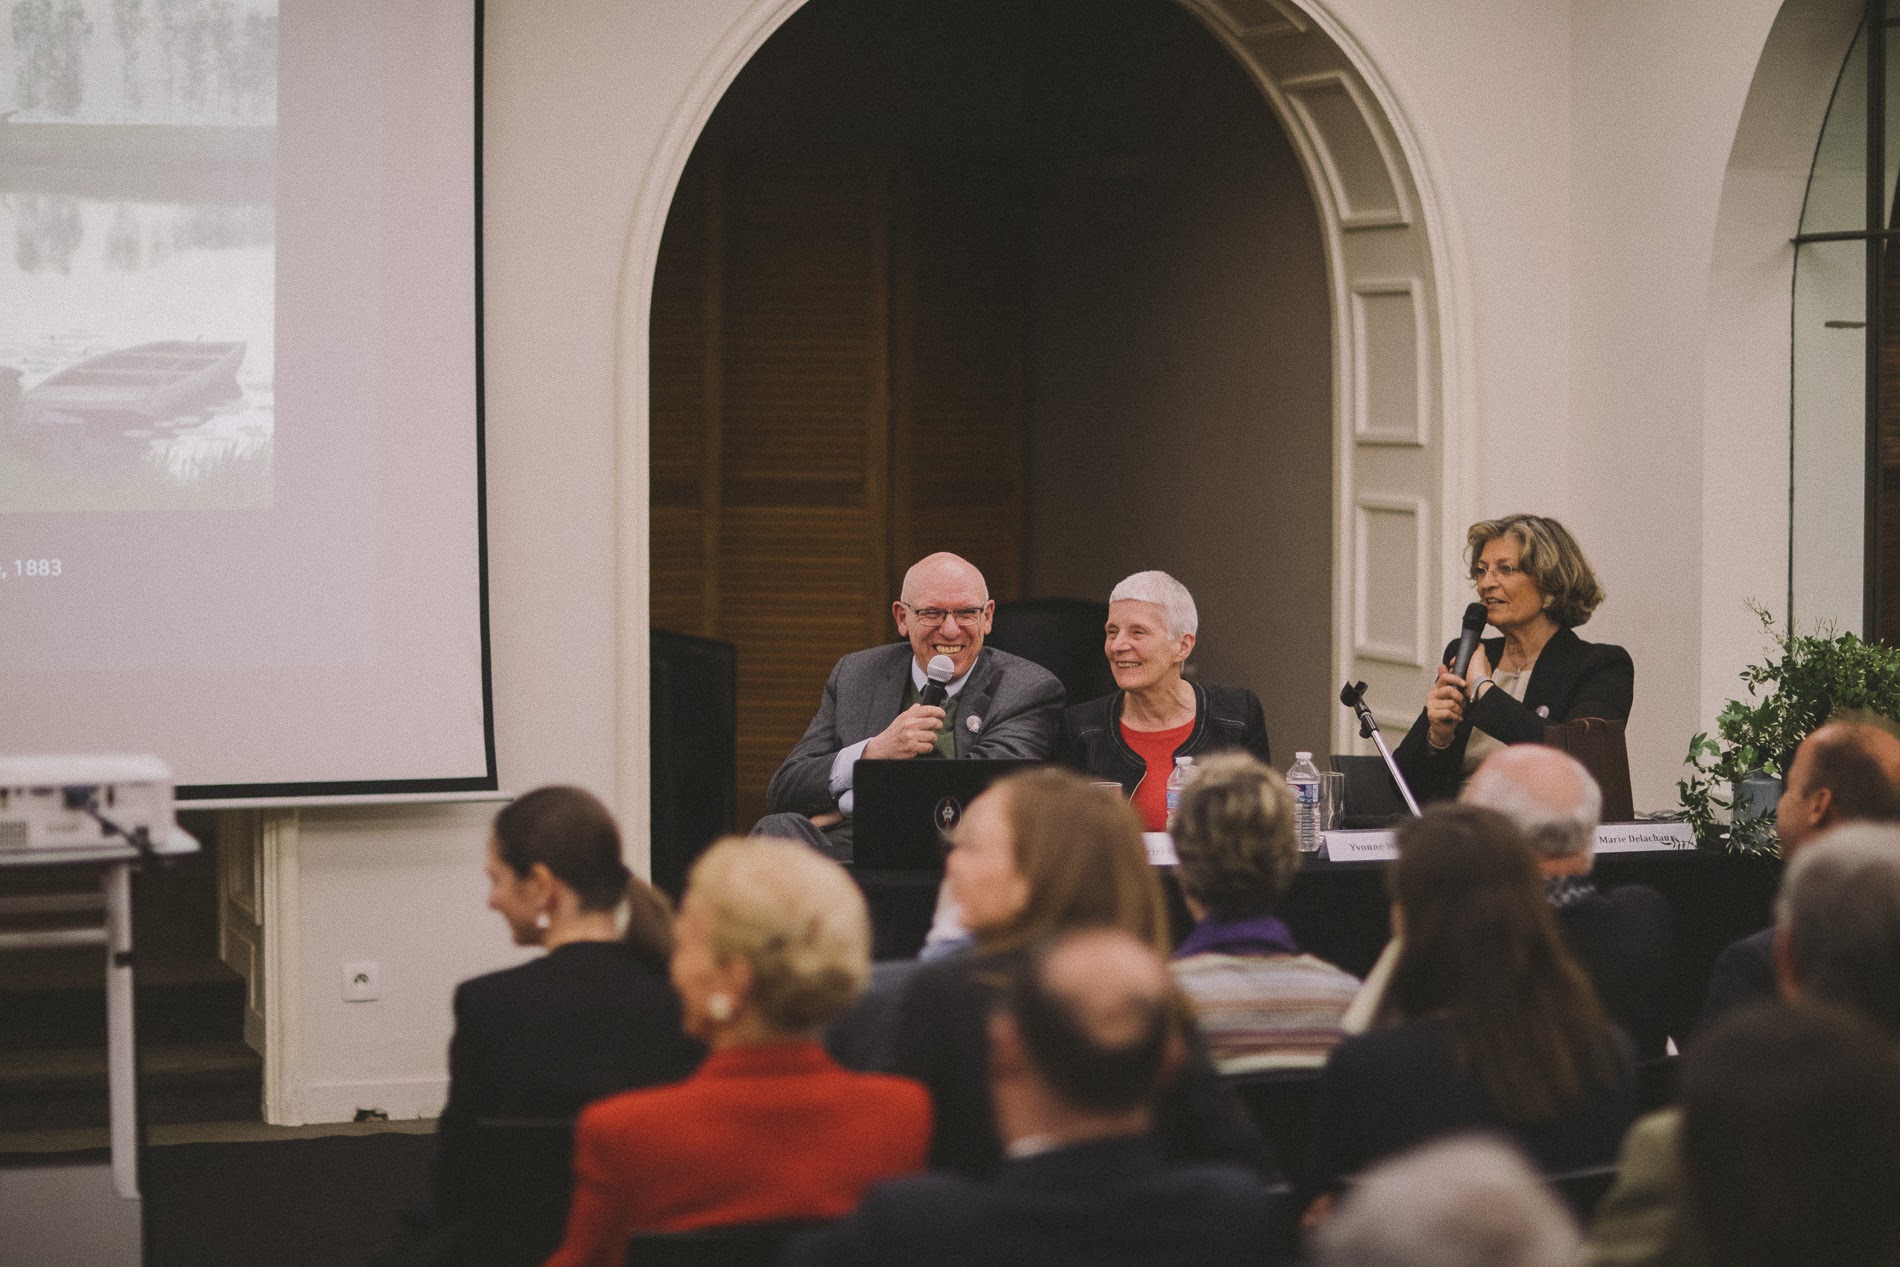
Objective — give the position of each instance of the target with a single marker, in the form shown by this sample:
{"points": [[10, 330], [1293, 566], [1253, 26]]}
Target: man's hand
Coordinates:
{"points": [[911, 735]]}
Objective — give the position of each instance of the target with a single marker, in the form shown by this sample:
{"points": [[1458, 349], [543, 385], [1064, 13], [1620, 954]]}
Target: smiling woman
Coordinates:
{"points": [[1155, 715], [1536, 587]]}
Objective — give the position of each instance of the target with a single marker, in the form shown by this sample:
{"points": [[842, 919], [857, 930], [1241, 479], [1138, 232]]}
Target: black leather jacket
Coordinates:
{"points": [[1224, 717]]}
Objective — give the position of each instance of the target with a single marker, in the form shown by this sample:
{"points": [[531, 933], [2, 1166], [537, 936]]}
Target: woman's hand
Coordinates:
{"points": [[1445, 708], [1479, 669]]}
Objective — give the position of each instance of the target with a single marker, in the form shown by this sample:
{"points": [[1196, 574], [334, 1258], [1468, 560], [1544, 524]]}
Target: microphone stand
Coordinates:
{"points": [[1353, 696]]}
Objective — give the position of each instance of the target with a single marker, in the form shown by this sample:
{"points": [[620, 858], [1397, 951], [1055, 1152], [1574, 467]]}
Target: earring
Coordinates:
{"points": [[719, 1007], [543, 921]]}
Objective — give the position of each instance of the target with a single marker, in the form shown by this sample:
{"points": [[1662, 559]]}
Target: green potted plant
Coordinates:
{"points": [[1802, 681]]}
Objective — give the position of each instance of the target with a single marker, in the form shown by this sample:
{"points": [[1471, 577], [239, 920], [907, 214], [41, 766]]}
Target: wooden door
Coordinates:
{"points": [[836, 390]]}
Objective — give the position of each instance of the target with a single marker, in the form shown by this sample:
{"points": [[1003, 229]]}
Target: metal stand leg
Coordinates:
{"points": [[1353, 696], [121, 1060]]}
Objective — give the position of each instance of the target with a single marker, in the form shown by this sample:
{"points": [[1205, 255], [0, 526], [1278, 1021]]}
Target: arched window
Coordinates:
{"points": [[1844, 522]]}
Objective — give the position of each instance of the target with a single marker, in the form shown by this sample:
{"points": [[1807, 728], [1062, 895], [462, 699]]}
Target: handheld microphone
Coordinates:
{"points": [[1475, 620], [939, 672]]}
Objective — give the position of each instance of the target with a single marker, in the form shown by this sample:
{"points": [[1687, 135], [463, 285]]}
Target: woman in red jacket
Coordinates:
{"points": [[772, 941]]}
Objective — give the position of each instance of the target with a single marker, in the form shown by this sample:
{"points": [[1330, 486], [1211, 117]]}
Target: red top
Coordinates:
{"points": [[1156, 747], [759, 1134]]}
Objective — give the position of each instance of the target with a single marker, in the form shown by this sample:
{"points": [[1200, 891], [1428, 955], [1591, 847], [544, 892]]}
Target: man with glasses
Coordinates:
{"points": [[998, 705]]}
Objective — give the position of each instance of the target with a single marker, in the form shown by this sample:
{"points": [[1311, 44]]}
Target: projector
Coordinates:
{"points": [[53, 805]]}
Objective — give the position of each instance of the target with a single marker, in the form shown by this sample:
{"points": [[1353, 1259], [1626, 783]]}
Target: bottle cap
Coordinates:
{"points": [[1184, 761], [1302, 756]]}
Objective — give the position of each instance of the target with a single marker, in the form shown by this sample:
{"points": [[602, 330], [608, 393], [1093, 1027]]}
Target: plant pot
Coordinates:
{"points": [[1755, 795]]}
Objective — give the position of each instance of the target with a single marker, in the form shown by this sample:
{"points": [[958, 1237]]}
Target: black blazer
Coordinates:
{"points": [[1571, 679], [942, 1040], [544, 1038], [1621, 937], [1225, 717], [1385, 1091], [1105, 1202], [1743, 973]]}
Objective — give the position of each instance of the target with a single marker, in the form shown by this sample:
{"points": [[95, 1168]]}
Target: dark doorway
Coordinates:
{"points": [[1040, 283]]}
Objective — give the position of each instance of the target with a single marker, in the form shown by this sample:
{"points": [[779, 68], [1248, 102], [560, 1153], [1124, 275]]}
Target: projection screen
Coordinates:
{"points": [[240, 392]]}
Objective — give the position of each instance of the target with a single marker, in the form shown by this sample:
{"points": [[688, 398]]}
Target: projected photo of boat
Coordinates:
{"points": [[149, 383]]}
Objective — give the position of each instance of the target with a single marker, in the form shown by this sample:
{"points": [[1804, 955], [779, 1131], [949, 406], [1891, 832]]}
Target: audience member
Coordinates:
{"points": [[1499, 1029], [773, 940], [1037, 854], [594, 1015], [1791, 1139], [1846, 771], [1837, 923], [1471, 1201], [1086, 1034], [1621, 936], [1261, 1003], [999, 705]]}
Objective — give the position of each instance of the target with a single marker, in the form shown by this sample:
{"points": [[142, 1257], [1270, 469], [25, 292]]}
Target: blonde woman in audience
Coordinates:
{"points": [[1261, 1003], [1500, 1027], [772, 941], [1037, 854]]}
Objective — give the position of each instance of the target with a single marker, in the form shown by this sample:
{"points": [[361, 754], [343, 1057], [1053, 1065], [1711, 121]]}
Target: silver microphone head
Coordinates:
{"points": [[940, 669]]}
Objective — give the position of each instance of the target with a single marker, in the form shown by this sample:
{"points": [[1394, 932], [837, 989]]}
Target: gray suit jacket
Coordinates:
{"points": [[1017, 706]]}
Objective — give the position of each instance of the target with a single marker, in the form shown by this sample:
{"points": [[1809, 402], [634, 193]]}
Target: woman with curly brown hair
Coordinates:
{"points": [[1537, 588]]}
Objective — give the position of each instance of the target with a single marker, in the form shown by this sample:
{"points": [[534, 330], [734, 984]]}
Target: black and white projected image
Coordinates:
{"points": [[137, 254]]}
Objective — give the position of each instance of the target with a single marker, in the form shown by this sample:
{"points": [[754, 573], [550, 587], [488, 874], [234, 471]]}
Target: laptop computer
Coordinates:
{"points": [[902, 808]]}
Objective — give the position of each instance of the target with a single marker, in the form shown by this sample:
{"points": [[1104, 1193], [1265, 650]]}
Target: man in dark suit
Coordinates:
{"points": [[999, 705], [1835, 942], [1086, 1036], [1621, 936], [1846, 771]]}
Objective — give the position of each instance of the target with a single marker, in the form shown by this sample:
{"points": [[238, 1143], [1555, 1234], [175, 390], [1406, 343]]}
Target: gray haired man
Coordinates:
{"points": [[1836, 942]]}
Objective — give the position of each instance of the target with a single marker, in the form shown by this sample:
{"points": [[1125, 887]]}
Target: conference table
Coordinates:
{"points": [[1339, 910]]}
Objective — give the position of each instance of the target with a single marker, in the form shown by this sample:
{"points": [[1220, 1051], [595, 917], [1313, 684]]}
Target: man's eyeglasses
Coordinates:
{"points": [[937, 615]]}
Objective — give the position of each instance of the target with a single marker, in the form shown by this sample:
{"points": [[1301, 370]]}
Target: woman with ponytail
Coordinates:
{"points": [[594, 1015]]}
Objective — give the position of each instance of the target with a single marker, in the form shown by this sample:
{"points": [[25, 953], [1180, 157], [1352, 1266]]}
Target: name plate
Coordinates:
{"points": [[1360, 846], [1382, 846], [1160, 849], [1644, 837]]}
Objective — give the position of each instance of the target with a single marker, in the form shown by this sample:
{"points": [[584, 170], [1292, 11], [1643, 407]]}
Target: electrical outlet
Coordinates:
{"points": [[362, 981]]}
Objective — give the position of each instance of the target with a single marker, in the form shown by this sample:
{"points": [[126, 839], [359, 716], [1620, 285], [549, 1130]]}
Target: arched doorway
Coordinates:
{"points": [[1387, 471], [1801, 555]]}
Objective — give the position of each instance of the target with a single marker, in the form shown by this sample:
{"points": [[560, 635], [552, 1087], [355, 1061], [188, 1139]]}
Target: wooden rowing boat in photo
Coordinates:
{"points": [[150, 382]]}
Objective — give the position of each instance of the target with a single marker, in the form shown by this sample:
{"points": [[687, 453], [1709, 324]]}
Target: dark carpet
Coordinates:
{"points": [[335, 1201]]}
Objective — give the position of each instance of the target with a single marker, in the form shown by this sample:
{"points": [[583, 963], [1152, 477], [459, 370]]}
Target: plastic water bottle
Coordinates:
{"points": [[1177, 783], [1304, 782]]}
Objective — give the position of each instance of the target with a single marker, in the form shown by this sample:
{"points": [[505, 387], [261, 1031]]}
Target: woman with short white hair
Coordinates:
{"points": [[1155, 715]]}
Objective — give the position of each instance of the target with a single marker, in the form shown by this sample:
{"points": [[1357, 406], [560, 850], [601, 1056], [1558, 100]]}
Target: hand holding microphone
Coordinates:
{"points": [[1445, 705], [937, 684], [913, 733]]}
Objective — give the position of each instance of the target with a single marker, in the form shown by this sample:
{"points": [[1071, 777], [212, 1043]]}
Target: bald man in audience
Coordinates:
{"points": [[999, 705], [1835, 942], [1847, 771], [1621, 936], [1087, 1035]]}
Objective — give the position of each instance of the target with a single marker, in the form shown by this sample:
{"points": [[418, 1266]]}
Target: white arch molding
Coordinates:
{"points": [[1403, 423]]}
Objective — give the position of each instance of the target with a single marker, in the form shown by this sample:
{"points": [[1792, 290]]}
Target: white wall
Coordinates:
{"points": [[1582, 148], [574, 100]]}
